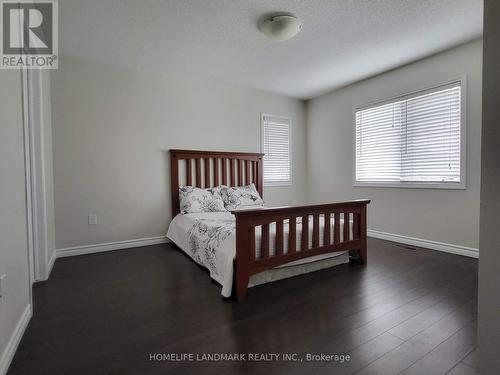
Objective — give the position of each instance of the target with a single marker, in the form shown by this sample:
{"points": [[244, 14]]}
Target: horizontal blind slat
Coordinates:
{"points": [[276, 148], [413, 139]]}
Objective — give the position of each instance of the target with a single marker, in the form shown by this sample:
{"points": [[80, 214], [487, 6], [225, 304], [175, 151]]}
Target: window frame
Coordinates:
{"points": [[277, 183], [462, 185]]}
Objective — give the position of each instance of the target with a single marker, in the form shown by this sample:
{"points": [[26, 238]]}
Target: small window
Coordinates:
{"points": [[415, 140], [276, 148]]}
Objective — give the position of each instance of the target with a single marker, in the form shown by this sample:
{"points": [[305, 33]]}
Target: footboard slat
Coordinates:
{"points": [[326, 233], [247, 263], [336, 228], [264, 245], [292, 239], [346, 226], [315, 239], [304, 235], [279, 237]]}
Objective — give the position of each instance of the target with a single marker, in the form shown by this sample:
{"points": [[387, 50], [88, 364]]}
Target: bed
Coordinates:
{"points": [[251, 246]]}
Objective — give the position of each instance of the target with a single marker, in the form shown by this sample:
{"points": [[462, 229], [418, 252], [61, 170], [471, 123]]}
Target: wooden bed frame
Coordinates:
{"points": [[213, 168]]}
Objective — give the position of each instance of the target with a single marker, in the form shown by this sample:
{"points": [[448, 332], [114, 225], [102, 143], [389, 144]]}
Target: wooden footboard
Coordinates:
{"points": [[248, 264]]}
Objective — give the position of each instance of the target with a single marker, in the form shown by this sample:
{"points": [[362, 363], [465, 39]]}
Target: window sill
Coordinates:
{"points": [[415, 185]]}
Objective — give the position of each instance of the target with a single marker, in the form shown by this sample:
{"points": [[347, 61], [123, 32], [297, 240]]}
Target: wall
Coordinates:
{"points": [[15, 303], [48, 168], [447, 216], [42, 172], [113, 127], [489, 262]]}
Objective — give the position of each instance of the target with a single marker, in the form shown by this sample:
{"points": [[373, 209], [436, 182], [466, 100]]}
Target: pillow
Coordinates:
{"points": [[193, 199], [241, 196]]}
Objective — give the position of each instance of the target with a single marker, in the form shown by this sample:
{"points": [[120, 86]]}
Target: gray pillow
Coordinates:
{"points": [[193, 200], [240, 196]]}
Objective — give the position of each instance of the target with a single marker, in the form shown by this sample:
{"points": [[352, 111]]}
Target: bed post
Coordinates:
{"points": [[174, 182], [362, 252], [242, 258]]}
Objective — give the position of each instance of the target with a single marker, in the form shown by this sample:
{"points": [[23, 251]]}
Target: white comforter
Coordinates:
{"points": [[209, 238]]}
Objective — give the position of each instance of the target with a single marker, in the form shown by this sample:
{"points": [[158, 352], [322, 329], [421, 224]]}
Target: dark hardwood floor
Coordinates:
{"points": [[407, 312]]}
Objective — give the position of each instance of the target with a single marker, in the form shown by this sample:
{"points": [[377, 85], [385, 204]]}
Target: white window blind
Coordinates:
{"points": [[276, 149], [415, 139]]}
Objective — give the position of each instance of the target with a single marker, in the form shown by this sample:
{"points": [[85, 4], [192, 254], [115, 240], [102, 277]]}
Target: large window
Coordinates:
{"points": [[414, 140], [276, 149]]}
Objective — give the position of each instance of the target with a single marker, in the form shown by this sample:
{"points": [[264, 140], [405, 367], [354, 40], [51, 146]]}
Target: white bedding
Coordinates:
{"points": [[209, 238]]}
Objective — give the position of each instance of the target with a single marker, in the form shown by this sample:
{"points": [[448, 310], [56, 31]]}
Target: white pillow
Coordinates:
{"points": [[193, 200], [240, 196]]}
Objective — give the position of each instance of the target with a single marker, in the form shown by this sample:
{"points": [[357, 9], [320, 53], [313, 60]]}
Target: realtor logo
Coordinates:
{"points": [[29, 34]]}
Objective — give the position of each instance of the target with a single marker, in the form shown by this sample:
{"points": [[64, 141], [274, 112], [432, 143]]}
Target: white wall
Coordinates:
{"points": [[447, 216], [112, 129], [40, 119], [13, 239], [489, 262], [48, 167]]}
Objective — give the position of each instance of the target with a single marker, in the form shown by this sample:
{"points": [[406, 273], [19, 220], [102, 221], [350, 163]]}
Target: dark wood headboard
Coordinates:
{"points": [[213, 168]]}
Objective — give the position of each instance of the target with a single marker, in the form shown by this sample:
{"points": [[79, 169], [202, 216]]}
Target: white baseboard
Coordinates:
{"points": [[50, 265], [15, 339], [109, 246], [433, 245]]}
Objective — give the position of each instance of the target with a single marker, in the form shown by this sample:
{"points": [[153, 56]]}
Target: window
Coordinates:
{"points": [[276, 149], [416, 140]]}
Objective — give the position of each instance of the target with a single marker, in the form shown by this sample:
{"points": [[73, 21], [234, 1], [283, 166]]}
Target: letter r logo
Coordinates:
{"points": [[27, 27]]}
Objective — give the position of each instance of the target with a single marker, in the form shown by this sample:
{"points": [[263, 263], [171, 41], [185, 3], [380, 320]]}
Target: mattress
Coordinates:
{"points": [[209, 238]]}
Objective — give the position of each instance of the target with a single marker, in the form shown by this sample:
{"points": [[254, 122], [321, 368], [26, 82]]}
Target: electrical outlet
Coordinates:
{"points": [[92, 219], [2, 284]]}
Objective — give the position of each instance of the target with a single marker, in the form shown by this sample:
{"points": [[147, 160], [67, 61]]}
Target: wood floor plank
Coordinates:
{"points": [[462, 369], [361, 356], [421, 321], [471, 359], [104, 313], [418, 346], [447, 354]]}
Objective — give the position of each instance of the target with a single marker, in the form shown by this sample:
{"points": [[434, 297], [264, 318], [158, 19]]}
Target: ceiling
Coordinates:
{"points": [[341, 41]]}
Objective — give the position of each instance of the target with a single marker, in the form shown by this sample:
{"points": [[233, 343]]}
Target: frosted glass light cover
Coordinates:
{"points": [[281, 28]]}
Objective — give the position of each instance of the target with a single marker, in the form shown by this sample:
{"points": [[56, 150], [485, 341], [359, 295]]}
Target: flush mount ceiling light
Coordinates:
{"points": [[280, 27]]}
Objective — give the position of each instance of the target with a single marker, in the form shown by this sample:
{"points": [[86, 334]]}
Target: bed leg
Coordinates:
{"points": [[241, 286], [242, 262], [362, 255]]}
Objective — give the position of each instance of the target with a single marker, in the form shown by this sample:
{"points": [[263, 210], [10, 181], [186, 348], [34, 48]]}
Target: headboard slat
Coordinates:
{"points": [[248, 165], [189, 172], [198, 172], [216, 171], [247, 172], [224, 171], [232, 168], [208, 176], [240, 172]]}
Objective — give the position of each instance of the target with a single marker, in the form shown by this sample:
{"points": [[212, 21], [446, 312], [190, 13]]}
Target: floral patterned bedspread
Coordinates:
{"points": [[206, 237], [209, 238]]}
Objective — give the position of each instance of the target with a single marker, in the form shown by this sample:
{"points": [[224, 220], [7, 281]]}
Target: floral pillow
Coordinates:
{"points": [[241, 196], [193, 199]]}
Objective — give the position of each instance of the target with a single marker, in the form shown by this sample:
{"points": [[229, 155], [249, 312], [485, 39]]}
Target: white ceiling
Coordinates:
{"points": [[341, 41]]}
